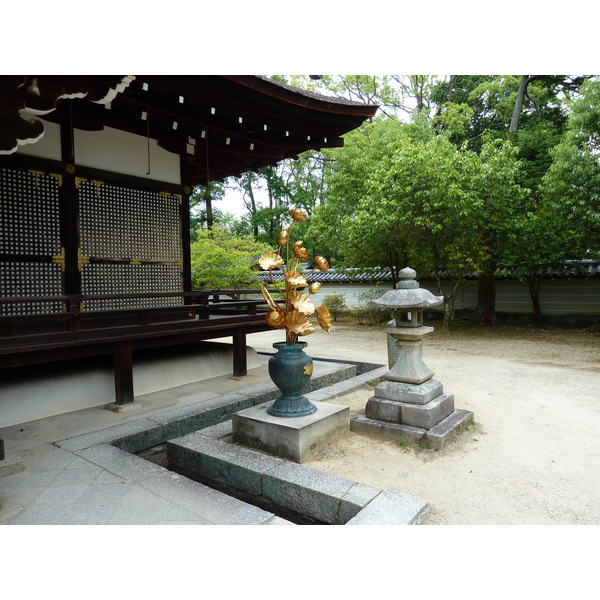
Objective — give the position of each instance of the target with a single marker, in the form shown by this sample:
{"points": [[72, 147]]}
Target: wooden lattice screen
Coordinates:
{"points": [[30, 243], [132, 239], [129, 243]]}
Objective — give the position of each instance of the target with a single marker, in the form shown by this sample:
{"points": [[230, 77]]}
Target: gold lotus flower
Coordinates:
{"points": [[295, 279], [298, 215], [322, 264], [324, 318], [276, 318], [297, 323], [301, 302], [270, 260], [272, 304], [300, 251], [313, 288], [282, 238]]}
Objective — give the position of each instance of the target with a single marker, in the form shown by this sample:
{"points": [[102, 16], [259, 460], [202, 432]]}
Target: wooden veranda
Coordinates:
{"points": [[95, 178]]}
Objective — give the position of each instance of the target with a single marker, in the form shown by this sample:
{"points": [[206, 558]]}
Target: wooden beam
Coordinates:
{"points": [[240, 364], [123, 367]]}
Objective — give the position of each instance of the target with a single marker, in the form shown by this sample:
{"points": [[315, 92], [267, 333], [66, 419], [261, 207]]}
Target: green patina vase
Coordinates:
{"points": [[291, 369]]}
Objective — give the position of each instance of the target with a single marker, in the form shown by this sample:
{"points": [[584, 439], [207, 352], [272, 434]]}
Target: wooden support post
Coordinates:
{"points": [[123, 368], [2, 456], [240, 364]]}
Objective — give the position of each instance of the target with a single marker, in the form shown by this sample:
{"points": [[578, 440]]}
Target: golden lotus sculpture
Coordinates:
{"points": [[293, 315]]}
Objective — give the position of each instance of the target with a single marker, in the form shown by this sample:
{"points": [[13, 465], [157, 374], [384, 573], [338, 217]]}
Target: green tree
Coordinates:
{"points": [[395, 94], [401, 196], [345, 188], [203, 214], [270, 192], [221, 259], [571, 187]]}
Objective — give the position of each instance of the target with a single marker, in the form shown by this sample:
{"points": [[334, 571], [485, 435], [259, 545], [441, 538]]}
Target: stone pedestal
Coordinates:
{"points": [[411, 413], [289, 438], [405, 350]]}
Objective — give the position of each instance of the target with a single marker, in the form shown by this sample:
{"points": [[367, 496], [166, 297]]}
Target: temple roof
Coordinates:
{"points": [[224, 124]]}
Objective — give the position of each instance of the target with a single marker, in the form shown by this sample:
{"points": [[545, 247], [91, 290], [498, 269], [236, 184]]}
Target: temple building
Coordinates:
{"points": [[95, 178]]}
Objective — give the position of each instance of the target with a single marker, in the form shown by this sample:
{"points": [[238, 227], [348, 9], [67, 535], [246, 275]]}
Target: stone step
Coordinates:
{"points": [[455, 423], [382, 430], [10, 465]]}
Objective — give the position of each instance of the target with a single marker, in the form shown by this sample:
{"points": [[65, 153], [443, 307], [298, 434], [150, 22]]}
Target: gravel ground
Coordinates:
{"points": [[532, 456]]}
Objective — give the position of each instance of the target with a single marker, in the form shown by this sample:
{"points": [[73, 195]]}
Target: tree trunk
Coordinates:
{"points": [[210, 221], [487, 299], [514, 122], [534, 282], [250, 192], [449, 300], [447, 95]]}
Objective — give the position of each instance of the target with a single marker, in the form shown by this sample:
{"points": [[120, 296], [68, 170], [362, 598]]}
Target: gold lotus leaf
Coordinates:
{"points": [[322, 264], [324, 318], [298, 215], [282, 238], [276, 318], [272, 304], [270, 260], [300, 251], [301, 302], [297, 323], [313, 288], [295, 279]]}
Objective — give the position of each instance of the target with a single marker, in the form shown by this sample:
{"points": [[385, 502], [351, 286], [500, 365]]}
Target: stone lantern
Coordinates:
{"points": [[409, 405], [406, 331]]}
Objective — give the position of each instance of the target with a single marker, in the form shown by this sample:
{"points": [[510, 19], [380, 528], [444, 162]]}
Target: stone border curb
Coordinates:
{"points": [[269, 480]]}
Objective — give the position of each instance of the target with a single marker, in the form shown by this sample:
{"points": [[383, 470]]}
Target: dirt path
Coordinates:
{"points": [[533, 454]]}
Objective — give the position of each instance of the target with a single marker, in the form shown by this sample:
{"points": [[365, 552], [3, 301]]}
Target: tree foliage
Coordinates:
{"points": [[572, 184], [490, 170], [222, 259]]}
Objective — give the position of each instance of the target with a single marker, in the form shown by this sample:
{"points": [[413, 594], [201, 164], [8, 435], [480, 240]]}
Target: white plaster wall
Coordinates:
{"points": [[66, 389], [110, 150], [125, 153], [48, 146], [558, 296], [350, 291]]}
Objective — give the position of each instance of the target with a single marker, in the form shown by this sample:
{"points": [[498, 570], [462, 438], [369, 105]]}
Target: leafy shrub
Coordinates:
{"points": [[335, 303], [367, 314]]}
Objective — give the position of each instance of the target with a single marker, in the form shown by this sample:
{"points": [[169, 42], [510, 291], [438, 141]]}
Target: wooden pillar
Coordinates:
{"points": [[123, 369], [240, 364], [185, 223], [69, 205]]}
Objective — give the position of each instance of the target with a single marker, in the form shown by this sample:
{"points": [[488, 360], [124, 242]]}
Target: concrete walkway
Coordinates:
{"points": [[76, 469], [69, 473]]}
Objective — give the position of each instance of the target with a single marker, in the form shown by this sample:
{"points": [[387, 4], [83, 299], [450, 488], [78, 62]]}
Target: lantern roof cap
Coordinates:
{"points": [[408, 294]]}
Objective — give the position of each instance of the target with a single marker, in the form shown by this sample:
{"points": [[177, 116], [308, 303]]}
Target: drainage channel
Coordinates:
{"points": [[196, 442], [158, 456]]}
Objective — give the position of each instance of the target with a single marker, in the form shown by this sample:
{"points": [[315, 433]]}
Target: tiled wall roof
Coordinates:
{"points": [[582, 268]]}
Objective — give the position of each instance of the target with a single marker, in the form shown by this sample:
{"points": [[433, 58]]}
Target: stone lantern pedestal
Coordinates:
{"points": [[409, 405]]}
